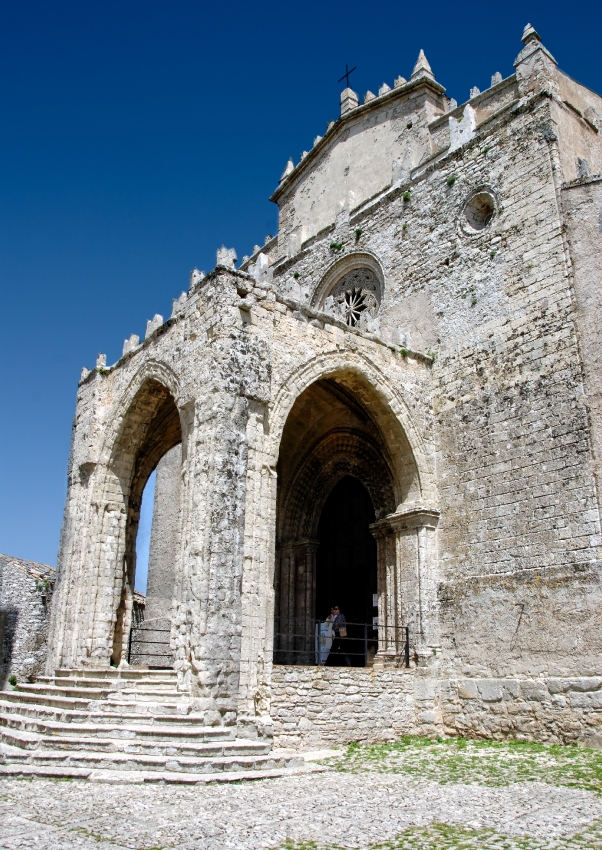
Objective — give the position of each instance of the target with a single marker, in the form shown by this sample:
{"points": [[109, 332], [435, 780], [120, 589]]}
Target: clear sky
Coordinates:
{"points": [[139, 136]]}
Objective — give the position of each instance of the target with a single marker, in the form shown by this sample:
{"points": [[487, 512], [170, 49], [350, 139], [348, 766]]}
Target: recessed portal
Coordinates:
{"points": [[335, 478], [346, 565]]}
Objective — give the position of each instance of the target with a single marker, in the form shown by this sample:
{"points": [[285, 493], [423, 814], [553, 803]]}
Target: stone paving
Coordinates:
{"points": [[368, 800]]}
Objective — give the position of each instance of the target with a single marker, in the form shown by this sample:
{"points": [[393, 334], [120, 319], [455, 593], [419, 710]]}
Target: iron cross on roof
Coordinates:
{"points": [[346, 74]]}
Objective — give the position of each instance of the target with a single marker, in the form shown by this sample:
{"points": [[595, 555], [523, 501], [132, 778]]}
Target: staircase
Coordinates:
{"points": [[128, 725]]}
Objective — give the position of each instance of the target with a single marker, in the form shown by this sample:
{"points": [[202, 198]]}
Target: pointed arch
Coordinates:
{"points": [[381, 397]]}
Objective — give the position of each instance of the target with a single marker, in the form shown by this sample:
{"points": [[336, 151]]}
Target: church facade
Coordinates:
{"points": [[395, 406]]}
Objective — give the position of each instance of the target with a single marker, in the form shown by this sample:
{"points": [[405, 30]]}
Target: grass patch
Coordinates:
{"points": [[490, 763], [443, 836]]}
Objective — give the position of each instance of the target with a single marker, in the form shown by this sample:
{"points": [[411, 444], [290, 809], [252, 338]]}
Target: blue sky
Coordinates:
{"points": [[138, 137]]}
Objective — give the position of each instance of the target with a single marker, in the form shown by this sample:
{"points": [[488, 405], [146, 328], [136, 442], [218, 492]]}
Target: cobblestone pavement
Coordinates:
{"points": [[412, 795], [330, 809]]}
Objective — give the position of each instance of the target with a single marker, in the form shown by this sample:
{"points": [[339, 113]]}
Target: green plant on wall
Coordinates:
{"points": [[336, 246], [358, 233]]}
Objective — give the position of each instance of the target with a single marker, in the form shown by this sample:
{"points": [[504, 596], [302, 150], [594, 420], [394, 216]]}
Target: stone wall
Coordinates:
{"points": [[25, 596], [555, 710], [316, 707], [323, 706]]}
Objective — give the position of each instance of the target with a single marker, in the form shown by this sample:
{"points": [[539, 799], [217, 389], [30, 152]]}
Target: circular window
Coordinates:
{"points": [[478, 212], [355, 297]]}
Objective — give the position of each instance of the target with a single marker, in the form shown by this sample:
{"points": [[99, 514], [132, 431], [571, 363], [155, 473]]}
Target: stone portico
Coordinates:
{"points": [[419, 342]]}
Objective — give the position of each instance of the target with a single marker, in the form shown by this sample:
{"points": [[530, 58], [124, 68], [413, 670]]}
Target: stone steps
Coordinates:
{"points": [[92, 692], [129, 731], [112, 673], [48, 713], [43, 690], [113, 704], [132, 685], [26, 771], [27, 740], [121, 723], [170, 763]]}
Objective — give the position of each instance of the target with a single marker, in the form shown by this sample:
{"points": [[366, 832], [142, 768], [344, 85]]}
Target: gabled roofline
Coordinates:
{"points": [[330, 135]]}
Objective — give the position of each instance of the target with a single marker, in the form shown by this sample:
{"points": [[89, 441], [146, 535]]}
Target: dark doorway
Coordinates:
{"points": [[346, 562]]}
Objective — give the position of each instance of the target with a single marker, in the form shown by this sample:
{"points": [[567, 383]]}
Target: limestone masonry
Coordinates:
{"points": [[395, 405]]}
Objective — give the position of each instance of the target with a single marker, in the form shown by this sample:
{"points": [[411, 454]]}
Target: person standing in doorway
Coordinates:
{"points": [[339, 651]]}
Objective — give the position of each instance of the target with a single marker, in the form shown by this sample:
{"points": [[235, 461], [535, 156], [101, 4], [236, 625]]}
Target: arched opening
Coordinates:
{"points": [[344, 464], [149, 439], [346, 567], [352, 289]]}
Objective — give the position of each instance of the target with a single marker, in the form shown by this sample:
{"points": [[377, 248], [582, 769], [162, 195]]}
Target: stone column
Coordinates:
{"points": [[284, 603], [407, 583], [388, 608], [154, 643], [305, 600], [295, 601]]}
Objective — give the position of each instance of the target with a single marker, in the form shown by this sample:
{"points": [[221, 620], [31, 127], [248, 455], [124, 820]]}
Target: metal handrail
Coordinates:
{"points": [[297, 644], [142, 628]]}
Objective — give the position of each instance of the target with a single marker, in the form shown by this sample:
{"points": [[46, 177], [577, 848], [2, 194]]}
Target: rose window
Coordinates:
{"points": [[353, 302], [355, 297]]}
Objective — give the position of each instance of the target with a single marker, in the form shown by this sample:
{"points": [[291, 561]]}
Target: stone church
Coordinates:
{"points": [[394, 406]]}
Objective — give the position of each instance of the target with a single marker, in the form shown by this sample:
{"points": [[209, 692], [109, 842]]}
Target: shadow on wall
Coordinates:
{"points": [[8, 629]]}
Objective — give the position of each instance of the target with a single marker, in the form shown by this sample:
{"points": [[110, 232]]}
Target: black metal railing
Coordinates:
{"points": [[149, 644], [312, 642]]}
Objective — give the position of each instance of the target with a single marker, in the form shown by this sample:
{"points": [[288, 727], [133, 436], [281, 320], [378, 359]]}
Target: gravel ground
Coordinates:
{"points": [[331, 809]]}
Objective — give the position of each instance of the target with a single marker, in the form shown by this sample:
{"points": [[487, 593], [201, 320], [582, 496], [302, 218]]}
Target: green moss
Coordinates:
{"points": [[482, 762]]}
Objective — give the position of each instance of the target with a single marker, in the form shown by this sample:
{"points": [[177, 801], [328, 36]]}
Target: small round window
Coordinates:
{"points": [[478, 212]]}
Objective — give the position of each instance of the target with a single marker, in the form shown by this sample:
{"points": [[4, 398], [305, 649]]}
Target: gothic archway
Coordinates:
{"points": [[149, 430], [329, 437]]}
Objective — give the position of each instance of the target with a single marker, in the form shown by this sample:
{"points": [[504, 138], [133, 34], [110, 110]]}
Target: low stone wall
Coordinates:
{"points": [[322, 706], [563, 711], [25, 596]]}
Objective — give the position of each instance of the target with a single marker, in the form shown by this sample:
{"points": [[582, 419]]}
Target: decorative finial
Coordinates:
{"points": [[290, 166], [349, 101], [422, 68], [530, 34]]}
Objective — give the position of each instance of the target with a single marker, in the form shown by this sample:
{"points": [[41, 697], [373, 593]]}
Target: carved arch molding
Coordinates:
{"points": [[340, 452]]}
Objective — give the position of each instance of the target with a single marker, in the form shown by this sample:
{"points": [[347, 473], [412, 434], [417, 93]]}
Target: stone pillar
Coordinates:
{"points": [[388, 607], [295, 602], [154, 643], [407, 584]]}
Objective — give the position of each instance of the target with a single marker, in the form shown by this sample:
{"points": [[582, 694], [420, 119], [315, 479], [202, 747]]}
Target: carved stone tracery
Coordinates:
{"points": [[356, 293]]}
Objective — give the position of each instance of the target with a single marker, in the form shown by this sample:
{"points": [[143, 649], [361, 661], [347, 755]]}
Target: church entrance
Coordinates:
{"points": [[346, 568], [335, 479]]}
